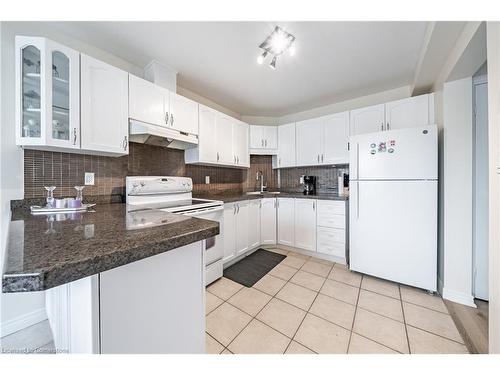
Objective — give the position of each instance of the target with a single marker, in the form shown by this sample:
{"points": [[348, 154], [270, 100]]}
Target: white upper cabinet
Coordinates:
{"points": [[156, 105], [399, 114], [409, 112], [263, 139], [309, 142], [323, 140], [286, 146], [183, 114], [336, 139], [368, 119], [148, 102], [224, 139], [104, 107], [240, 143], [47, 94]]}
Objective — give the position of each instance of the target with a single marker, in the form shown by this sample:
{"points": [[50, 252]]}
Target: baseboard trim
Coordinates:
{"points": [[459, 297], [23, 321]]}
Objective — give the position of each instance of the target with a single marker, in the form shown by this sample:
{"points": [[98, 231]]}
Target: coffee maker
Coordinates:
{"points": [[309, 185]]}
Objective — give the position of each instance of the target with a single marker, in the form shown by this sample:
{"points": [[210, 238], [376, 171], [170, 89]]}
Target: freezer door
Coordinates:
{"points": [[405, 154], [393, 231]]}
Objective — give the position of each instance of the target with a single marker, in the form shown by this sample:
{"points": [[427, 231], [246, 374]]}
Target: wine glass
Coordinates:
{"points": [[79, 193], [50, 195]]}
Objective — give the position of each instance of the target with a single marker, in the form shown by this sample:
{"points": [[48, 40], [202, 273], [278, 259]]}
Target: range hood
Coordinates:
{"points": [[141, 132]]}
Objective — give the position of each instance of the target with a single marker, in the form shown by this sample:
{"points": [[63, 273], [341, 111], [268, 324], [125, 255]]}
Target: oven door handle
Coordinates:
{"points": [[204, 210]]}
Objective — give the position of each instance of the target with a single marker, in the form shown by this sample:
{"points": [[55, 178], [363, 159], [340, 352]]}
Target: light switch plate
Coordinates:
{"points": [[207, 180], [89, 178]]}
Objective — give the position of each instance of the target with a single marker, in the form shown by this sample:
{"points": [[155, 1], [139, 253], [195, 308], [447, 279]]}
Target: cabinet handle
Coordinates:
{"points": [[265, 143], [234, 209], [279, 161], [74, 136], [217, 157], [318, 158], [125, 143], [166, 118], [237, 160], [382, 126], [172, 119], [314, 205], [388, 127], [262, 142], [322, 155]]}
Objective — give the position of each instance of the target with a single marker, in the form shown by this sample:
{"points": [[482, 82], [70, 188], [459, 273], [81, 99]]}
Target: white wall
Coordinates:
{"points": [[493, 44], [457, 190]]}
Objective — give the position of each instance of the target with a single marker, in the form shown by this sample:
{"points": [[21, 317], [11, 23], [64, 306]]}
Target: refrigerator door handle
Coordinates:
{"points": [[357, 200]]}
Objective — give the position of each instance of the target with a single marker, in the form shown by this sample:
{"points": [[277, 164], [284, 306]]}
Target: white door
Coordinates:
{"points": [[240, 144], [270, 135], [480, 227], [147, 101], [409, 154], [224, 139], [367, 119], [104, 107], [393, 231], [268, 221], [207, 146], [305, 224], [407, 113], [241, 227], [309, 142], [335, 139], [254, 223], [183, 114], [286, 221], [63, 95], [256, 136], [286, 145], [229, 231]]}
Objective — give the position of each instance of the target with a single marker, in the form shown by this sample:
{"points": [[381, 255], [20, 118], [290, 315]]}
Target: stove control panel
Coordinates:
{"points": [[157, 185]]}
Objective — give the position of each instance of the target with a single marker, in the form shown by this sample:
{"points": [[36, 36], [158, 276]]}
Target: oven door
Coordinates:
{"points": [[214, 250]]}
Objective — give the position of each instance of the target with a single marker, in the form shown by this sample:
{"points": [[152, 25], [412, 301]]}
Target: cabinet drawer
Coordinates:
{"points": [[213, 272], [331, 221], [331, 207], [331, 241]]}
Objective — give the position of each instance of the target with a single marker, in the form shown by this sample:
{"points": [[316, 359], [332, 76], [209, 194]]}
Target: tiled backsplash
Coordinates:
{"points": [[43, 168]]}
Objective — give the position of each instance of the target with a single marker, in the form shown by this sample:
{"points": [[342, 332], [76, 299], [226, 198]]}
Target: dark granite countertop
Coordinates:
{"points": [[241, 196], [47, 251]]}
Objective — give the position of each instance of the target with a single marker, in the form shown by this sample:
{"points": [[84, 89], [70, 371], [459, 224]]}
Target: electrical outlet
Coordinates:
{"points": [[89, 178], [207, 180]]}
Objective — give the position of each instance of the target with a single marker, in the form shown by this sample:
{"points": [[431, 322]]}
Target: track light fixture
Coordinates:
{"points": [[278, 42]]}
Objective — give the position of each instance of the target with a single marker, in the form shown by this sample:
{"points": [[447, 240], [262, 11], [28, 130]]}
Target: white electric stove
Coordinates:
{"points": [[147, 195]]}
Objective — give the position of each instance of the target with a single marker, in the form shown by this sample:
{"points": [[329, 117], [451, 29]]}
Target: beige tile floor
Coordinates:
{"points": [[307, 305]]}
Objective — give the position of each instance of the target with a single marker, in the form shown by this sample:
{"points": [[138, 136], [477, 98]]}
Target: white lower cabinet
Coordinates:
{"points": [[286, 221], [331, 241], [229, 231], [254, 223], [305, 224], [268, 221], [237, 232], [242, 227]]}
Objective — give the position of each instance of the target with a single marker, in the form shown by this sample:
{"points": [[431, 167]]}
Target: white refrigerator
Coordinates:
{"points": [[393, 205]]}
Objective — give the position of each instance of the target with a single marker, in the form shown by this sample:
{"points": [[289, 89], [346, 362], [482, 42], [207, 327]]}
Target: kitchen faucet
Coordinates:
{"points": [[260, 176]]}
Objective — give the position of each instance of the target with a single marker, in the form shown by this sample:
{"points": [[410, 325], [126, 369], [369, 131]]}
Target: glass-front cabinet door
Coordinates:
{"points": [[47, 84]]}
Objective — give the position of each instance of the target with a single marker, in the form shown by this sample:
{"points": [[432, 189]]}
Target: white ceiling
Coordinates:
{"points": [[334, 60]]}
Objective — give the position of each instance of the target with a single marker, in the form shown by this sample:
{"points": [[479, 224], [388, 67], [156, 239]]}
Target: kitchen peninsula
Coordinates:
{"points": [[113, 286]]}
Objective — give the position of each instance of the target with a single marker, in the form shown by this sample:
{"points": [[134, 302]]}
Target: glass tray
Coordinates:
{"points": [[52, 210]]}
